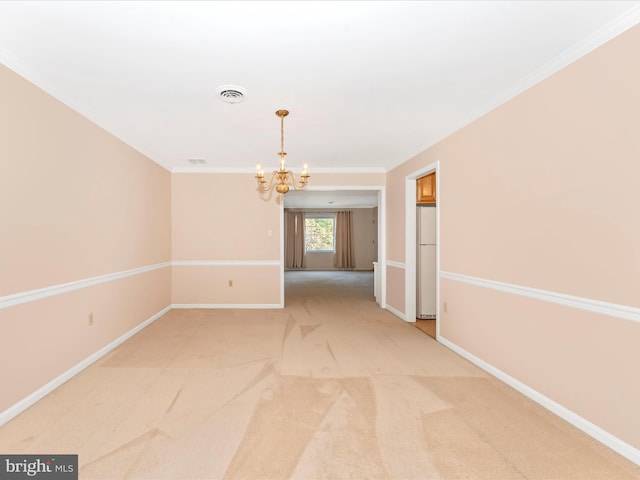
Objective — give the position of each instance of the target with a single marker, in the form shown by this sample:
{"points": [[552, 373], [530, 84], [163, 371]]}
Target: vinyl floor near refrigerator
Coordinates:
{"points": [[426, 256]]}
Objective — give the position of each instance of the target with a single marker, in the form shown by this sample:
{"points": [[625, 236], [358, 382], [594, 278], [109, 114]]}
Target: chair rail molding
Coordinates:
{"points": [[596, 306]]}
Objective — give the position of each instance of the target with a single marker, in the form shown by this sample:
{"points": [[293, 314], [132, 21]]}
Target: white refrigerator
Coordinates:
{"points": [[426, 257]]}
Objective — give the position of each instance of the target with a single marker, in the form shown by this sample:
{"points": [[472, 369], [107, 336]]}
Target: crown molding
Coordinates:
{"points": [[601, 36], [252, 170]]}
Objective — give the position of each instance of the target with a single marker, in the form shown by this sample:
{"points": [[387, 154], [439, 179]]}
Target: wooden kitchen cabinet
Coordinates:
{"points": [[426, 189]]}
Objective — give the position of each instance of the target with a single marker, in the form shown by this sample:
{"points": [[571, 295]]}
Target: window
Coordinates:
{"points": [[319, 233]]}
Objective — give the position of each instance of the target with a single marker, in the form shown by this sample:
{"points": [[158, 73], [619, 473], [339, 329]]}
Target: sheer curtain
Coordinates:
{"points": [[294, 251], [345, 256]]}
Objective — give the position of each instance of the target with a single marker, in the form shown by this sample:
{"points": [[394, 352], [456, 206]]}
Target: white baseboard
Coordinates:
{"points": [[43, 391], [397, 313], [229, 305], [604, 437]]}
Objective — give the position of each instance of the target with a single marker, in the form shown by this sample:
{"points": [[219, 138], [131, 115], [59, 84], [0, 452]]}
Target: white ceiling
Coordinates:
{"points": [[368, 83]]}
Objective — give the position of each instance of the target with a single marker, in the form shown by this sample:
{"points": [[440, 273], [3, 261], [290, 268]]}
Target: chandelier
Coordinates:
{"points": [[285, 178]]}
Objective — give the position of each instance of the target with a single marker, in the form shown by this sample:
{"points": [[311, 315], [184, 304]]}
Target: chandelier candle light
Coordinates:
{"points": [[286, 178]]}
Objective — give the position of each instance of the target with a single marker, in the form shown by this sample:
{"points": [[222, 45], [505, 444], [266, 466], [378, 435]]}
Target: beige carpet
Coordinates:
{"points": [[332, 387]]}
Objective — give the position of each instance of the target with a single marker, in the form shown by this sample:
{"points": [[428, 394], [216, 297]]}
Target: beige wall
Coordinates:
{"points": [[76, 204], [364, 230], [356, 180], [223, 230], [543, 193]]}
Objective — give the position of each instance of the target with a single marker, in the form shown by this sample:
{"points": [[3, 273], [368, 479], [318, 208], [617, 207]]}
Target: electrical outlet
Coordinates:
{"points": [[91, 319], [444, 307], [231, 283]]}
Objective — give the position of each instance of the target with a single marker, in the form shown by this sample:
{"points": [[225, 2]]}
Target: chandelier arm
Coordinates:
{"points": [[294, 182], [262, 181]]}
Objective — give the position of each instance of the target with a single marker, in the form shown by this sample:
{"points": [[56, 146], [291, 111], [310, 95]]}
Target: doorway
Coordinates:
{"points": [[411, 243], [342, 197]]}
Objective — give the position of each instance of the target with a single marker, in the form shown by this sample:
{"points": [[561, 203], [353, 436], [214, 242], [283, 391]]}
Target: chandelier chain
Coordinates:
{"points": [[282, 134]]}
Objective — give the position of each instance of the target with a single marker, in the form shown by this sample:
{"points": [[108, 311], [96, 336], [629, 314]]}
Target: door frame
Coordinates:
{"points": [[411, 243], [382, 229]]}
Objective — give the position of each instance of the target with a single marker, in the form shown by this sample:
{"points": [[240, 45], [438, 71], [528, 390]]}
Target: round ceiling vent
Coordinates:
{"points": [[231, 93]]}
